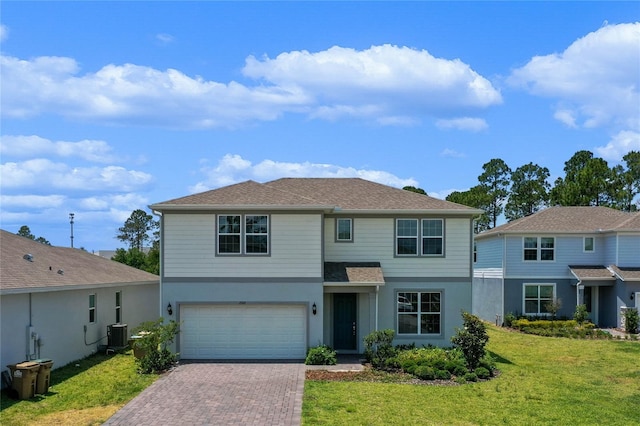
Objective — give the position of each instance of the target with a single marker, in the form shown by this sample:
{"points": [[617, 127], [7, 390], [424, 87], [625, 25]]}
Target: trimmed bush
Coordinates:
{"points": [[471, 339], [155, 337], [631, 320], [321, 355], [425, 373], [482, 373], [378, 348]]}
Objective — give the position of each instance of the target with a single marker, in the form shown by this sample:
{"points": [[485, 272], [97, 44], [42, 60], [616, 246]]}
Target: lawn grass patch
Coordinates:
{"points": [[542, 380], [85, 392]]}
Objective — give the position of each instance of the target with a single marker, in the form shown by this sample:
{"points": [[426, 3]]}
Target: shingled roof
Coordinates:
{"points": [[29, 266], [581, 219], [333, 194]]}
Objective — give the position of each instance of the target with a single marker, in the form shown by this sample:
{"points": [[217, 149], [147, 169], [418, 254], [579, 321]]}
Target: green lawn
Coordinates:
{"points": [[543, 380], [86, 394]]}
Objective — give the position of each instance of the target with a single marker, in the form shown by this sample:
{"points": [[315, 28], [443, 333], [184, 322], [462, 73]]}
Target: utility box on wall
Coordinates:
{"points": [[117, 335]]}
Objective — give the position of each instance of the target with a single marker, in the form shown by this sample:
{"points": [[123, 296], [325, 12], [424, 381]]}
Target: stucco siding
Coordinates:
{"points": [[488, 298], [295, 248], [59, 319], [374, 240]]}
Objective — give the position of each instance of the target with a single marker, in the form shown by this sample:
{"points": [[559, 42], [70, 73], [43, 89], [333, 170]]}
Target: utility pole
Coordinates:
{"points": [[71, 215]]}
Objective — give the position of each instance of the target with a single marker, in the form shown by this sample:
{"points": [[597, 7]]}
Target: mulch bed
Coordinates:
{"points": [[370, 375]]}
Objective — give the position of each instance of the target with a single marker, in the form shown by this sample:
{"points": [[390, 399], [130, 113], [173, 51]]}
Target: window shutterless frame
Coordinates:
{"points": [[238, 234], [118, 307], [92, 308], [344, 229], [419, 313]]}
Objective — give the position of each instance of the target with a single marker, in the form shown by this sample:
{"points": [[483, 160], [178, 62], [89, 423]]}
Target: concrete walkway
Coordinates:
{"points": [[226, 393]]}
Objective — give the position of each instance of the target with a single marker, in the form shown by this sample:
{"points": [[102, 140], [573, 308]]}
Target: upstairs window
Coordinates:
{"points": [[407, 237], [243, 235], [344, 230], [538, 249], [588, 245], [432, 237]]}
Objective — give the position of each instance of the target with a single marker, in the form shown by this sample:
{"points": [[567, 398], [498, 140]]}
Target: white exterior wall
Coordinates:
{"points": [[59, 318], [295, 248], [374, 241]]}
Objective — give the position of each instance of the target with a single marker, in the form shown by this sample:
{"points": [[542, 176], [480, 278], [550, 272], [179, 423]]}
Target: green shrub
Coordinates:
{"points": [[631, 320], [471, 339], [509, 318], [581, 314], [155, 336], [471, 377], [443, 375], [482, 373], [321, 355], [378, 347], [425, 373], [488, 363]]}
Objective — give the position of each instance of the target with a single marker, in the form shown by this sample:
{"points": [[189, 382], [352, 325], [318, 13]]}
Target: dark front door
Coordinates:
{"points": [[345, 332]]}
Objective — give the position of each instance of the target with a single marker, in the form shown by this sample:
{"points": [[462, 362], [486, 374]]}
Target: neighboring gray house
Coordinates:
{"points": [[57, 302], [578, 255], [267, 270]]}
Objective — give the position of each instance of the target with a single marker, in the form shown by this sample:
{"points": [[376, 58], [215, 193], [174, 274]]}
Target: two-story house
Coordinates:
{"points": [[570, 255], [267, 270]]}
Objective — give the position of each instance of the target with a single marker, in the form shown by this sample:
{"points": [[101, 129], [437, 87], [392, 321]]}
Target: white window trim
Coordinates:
{"points": [[118, 307], [419, 237], [584, 245], [243, 235], [423, 237], [538, 249], [553, 297], [94, 309], [344, 240], [419, 312]]}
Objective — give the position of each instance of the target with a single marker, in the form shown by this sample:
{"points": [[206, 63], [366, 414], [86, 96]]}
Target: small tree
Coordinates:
{"points": [[378, 347], [155, 336], [471, 339], [581, 314], [553, 307], [631, 320]]}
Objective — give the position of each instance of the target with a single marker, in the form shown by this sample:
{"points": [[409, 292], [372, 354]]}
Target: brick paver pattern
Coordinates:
{"points": [[220, 394]]}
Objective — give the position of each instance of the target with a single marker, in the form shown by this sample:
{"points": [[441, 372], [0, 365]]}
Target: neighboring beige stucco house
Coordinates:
{"points": [[267, 270], [57, 302]]}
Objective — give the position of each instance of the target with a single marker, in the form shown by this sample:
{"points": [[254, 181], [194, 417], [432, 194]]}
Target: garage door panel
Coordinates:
{"points": [[243, 332]]}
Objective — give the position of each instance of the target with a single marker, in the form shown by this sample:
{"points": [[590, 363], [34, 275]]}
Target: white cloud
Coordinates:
{"points": [[4, 32], [43, 174], [451, 153], [619, 145], [465, 123], [382, 80], [164, 38], [32, 201], [386, 84], [233, 169], [596, 79], [30, 146]]}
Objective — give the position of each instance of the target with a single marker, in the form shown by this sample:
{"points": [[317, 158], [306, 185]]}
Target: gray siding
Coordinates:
{"points": [[190, 251], [488, 298], [374, 241], [489, 253], [629, 250]]}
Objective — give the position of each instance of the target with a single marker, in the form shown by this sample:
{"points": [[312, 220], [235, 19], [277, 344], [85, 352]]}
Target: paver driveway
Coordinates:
{"points": [[220, 394]]}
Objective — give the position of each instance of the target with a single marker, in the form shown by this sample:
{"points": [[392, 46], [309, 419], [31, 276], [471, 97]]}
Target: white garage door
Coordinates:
{"points": [[243, 331]]}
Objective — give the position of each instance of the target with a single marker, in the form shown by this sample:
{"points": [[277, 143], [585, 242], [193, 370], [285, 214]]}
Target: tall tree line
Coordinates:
{"points": [[588, 181]]}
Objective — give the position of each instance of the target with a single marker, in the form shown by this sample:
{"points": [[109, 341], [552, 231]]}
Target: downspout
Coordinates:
{"points": [[578, 284], [377, 290]]}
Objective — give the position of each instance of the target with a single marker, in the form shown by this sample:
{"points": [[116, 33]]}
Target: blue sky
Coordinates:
{"points": [[108, 107]]}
